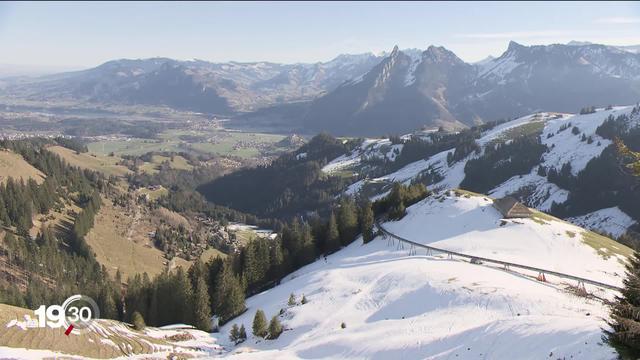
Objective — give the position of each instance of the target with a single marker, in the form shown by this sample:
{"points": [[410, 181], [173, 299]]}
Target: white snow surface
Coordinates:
{"points": [[610, 221], [544, 193], [429, 307], [370, 148]]}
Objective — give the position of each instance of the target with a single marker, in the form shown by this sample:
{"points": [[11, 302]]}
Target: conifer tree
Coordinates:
{"points": [[138, 321], [292, 300], [276, 261], [275, 328], [201, 305], [229, 295], [250, 266], [625, 314], [333, 234], [260, 324], [243, 333], [347, 221], [366, 221], [183, 296], [307, 248], [234, 334], [106, 303], [4, 216]]}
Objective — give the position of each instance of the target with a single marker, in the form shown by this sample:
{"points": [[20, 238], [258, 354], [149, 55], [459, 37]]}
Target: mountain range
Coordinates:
{"points": [[217, 88], [362, 94], [439, 89]]}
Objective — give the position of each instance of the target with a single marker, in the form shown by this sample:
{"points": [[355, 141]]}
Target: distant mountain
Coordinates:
{"points": [[401, 93], [197, 85], [629, 48], [436, 88], [360, 95]]}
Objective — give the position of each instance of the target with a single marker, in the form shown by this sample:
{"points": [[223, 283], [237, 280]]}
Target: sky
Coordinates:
{"points": [[80, 35]]}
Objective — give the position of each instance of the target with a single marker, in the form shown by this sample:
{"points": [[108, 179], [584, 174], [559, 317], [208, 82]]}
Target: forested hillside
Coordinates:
{"points": [[292, 184]]}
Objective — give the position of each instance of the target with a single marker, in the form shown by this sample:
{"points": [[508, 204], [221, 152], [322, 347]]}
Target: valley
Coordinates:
{"points": [[180, 197]]}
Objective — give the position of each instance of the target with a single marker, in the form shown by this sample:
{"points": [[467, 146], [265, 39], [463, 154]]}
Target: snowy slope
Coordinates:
{"points": [[609, 221], [400, 306], [370, 148], [556, 133]]}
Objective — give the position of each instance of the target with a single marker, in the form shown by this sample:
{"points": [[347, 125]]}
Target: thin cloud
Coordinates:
{"points": [[514, 35], [618, 20]]}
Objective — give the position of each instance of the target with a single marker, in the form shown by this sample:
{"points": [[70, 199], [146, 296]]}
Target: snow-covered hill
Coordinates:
{"points": [[398, 306], [378, 301], [568, 138]]}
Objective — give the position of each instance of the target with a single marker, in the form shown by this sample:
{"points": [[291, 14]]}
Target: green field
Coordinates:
{"points": [[218, 142], [105, 164], [178, 163], [133, 146]]}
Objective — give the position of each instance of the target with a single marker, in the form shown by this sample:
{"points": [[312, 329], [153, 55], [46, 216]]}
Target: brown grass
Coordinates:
{"points": [[89, 343], [13, 165], [120, 239]]}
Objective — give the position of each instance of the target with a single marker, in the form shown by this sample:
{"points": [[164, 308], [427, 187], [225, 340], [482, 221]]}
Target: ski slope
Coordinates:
{"points": [[400, 306]]}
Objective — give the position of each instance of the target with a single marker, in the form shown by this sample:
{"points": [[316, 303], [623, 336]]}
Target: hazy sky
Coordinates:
{"points": [[87, 34]]}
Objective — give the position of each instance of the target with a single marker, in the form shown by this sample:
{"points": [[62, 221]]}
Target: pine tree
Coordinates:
{"points": [[366, 222], [243, 333], [106, 303], [347, 221], [276, 261], [229, 296], [292, 300], [260, 324], [307, 252], [250, 268], [398, 212], [275, 328], [4, 216], [201, 305], [234, 334], [304, 300], [625, 314], [333, 235], [183, 297], [138, 321]]}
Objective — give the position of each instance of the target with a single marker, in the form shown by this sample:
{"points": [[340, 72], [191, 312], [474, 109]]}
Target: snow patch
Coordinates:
{"points": [[609, 221]]}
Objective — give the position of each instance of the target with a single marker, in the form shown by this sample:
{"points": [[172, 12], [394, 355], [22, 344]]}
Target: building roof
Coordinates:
{"points": [[511, 208]]}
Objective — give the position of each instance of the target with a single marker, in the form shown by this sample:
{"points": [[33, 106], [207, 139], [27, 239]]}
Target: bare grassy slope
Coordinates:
{"points": [[13, 165], [105, 164]]}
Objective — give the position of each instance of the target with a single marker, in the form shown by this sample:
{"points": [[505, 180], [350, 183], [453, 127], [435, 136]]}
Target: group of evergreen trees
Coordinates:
{"points": [[400, 197], [20, 200], [501, 162], [625, 311], [171, 297], [422, 147], [605, 181], [219, 286], [260, 328], [58, 263], [289, 186]]}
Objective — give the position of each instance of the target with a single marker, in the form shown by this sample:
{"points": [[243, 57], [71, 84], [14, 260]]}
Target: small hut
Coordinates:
{"points": [[511, 208]]}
